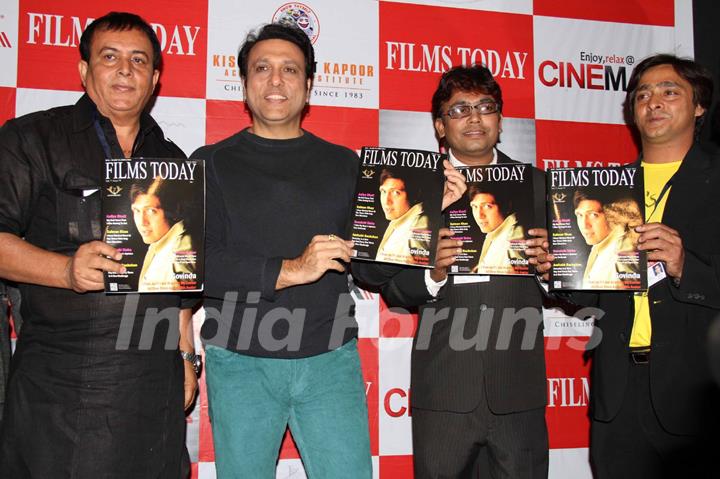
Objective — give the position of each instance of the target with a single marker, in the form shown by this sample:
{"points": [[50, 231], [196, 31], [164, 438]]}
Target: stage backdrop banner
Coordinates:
{"points": [[563, 67]]}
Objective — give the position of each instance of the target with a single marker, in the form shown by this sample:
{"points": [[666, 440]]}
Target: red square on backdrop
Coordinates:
{"points": [[49, 36], [224, 118], [7, 104], [582, 144], [397, 467], [368, 349], [568, 392], [350, 127], [418, 43], [657, 12], [396, 323]]}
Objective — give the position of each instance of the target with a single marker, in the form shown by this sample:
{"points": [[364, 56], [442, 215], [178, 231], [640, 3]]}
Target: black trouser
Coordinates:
{"points": [[634, 444], [84, 399], [480, 444]]}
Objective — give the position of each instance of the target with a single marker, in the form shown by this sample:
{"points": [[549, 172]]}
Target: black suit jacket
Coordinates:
{"points": [[447, 378], [681, 387]]}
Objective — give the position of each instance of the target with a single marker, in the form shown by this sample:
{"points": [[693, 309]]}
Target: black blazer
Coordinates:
{"points": [[681, 387], [448, 379]]}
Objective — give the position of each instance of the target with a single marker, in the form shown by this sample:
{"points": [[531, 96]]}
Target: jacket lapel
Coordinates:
{"points": [[689, 189]]}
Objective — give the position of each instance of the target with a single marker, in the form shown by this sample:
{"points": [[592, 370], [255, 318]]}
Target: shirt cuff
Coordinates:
{"points": [[432, 286]]}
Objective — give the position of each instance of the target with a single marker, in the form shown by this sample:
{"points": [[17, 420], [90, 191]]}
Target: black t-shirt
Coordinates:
{"points": [[266, 199]]}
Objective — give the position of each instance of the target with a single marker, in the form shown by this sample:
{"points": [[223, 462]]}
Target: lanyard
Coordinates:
{"points": [[664, 190], [102, 138]]}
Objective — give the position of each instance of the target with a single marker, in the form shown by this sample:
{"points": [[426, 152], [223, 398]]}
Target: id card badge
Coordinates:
{"points": [[655, 272], [470, 278]]}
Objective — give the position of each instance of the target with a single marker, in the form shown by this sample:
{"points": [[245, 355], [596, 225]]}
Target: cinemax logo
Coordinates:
{"points": [[4, 40], [591, 76]]}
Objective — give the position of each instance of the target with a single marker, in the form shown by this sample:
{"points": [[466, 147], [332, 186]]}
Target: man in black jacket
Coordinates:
{"points": [[79, 405], [653, 400], [478, 367]]}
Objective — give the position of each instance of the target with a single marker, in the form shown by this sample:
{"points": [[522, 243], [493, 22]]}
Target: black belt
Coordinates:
{"points": [[640, 355]]}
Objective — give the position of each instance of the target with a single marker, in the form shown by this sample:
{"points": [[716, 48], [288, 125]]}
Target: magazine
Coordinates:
{"points": [[593, 215], [492, 220], [154, 214], [396, 216]]}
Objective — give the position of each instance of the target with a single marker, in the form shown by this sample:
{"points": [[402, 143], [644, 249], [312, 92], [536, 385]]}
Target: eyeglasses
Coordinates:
{"points": [[484, 107]]}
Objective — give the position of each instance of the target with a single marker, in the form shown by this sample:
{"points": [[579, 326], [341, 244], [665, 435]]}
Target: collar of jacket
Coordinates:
{"points": [[85, 111]]}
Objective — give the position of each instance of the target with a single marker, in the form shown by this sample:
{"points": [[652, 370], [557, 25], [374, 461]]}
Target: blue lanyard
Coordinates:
{"points": [[102, 138]]}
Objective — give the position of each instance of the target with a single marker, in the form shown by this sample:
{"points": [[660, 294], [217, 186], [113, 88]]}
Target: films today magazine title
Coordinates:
{"points": [[492, 220], [396, 215], [154, 214], [593, 213]]}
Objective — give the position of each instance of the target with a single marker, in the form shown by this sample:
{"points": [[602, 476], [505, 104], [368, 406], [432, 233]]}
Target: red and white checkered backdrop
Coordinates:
{"points": [[563, 66]]}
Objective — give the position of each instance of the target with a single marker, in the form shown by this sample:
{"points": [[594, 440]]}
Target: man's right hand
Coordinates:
{"points": [[447, 251], [538, 252], [322, 254], [84, 270]]}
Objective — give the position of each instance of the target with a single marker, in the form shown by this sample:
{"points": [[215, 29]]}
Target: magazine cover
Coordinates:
{"points": [[396, 216], [492, 219], [593, 214], [154, 214]]}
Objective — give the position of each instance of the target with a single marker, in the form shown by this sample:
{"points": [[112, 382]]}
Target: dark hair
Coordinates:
{"points": [[413, 193], [503, 201], [279, 31], [171, 199], [473, 79], [589, 194], [119, 21], [692, 72]]}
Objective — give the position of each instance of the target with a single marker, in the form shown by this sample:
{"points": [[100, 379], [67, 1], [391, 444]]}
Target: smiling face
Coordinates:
{"points": [[592, 221], [664, 109], [393, 198], [486, 212], [276, 88], [473, 138], [119, 77], [149, 217]]}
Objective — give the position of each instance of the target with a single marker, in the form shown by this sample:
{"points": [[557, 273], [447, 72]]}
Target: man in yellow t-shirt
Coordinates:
{"points": [[654, 403]]}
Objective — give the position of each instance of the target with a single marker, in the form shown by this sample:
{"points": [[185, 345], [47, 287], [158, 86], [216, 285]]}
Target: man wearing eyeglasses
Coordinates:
{"points": [[478, 397]]}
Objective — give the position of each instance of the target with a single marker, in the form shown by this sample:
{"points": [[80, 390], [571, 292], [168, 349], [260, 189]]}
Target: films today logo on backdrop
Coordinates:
{"points": [[414, 52], [568, 391], [48, 40], [65, 31]]}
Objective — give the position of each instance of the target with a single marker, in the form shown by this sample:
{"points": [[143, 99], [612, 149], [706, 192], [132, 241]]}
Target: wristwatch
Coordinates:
{"points": [[193, 359]]}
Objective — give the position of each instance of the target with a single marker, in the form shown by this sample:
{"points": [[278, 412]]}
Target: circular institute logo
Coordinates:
{"points": [[301, 16]]}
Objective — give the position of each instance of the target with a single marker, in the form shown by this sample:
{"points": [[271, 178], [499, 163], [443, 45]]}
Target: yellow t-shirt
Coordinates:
{"points": [[656, 175]]}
